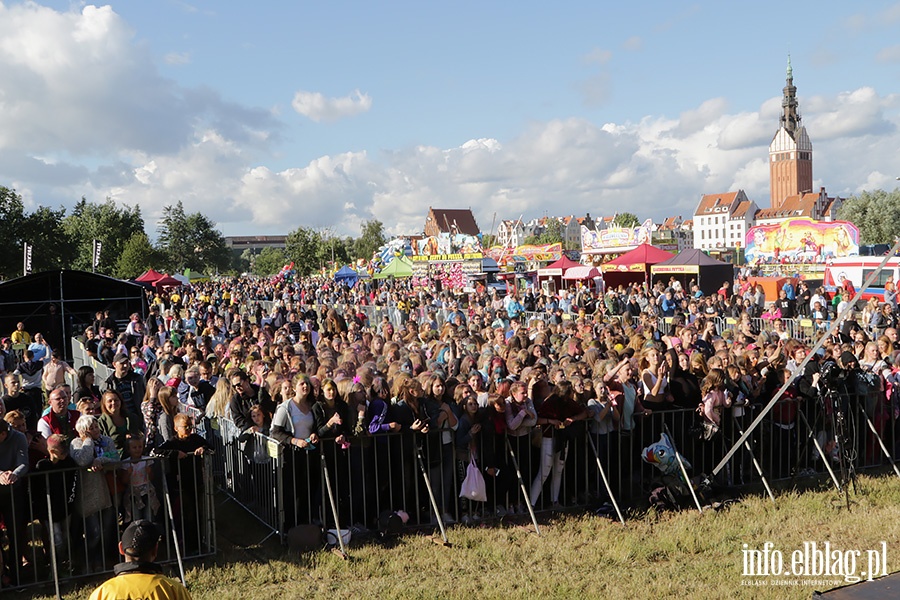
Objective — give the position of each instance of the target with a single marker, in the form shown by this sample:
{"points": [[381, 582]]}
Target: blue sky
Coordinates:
{"points": [[275, 115]]}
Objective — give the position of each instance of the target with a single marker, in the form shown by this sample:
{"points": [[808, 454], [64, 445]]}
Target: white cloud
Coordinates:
{"points": [[856, 113], [177, 58], [84, 111], [317, 107], [598, 56], [77, 84], [634, 43], [889, 55]]}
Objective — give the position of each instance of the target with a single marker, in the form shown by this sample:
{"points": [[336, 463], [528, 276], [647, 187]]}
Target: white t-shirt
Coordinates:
{"points": [[301, 422]]}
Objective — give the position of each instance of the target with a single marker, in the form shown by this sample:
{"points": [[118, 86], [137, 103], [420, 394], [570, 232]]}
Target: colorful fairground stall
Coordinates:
{"points": [[453, 261], [519, 266]]}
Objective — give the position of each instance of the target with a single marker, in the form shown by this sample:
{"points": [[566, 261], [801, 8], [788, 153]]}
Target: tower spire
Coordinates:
{"points": [[790, 153], [790, 117]]}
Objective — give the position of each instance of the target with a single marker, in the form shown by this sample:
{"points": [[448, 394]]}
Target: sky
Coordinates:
{"points": [[274, 115]]}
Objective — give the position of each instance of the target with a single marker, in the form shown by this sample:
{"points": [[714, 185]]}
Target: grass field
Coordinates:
{"points": [[683, 555]]}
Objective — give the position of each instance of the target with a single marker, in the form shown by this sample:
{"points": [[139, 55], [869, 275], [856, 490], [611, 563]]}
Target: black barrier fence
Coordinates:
{"points": [[284, 486], [64, 523]]}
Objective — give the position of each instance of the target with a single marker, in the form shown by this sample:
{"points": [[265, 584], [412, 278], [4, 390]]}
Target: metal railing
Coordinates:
{"points": [[283, 486], [64, 523]]}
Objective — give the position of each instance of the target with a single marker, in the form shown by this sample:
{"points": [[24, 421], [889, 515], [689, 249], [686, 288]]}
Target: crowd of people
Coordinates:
{"points": [[382, 379]]}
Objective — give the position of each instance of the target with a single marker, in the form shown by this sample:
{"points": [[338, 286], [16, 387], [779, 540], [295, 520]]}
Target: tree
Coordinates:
{"points": [[552, 233], [269, 261], [137, 256], [210, 252], [489, 241], [370, 241], [43, 229], [335, 251], [626, 219], [191, 241], [243, 262], [106, 222], [12, 220], [877, 214], [303, 247]]}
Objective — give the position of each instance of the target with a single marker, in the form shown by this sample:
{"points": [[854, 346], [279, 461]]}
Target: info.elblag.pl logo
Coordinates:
{"points": [[815, 559]]}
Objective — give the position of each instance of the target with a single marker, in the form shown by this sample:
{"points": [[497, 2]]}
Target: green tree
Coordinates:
{"points": [[269, 261], [174, 238], [137, 256], [372, 239], [107, 222], [12, 220], [243, 262], [876, 213], [626, 219], [43, 229], [551, 233], [335, 251], [303, 246], [191, 241]]}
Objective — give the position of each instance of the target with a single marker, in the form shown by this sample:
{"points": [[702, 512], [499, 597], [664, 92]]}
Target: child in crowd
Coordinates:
{"points": [[140, 497], [714, 396]]}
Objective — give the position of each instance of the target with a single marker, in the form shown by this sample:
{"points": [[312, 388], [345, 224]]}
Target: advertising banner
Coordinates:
{"points": [[801, 239]]}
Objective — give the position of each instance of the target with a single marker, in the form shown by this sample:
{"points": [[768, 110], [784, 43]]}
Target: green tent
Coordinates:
{"points": [[399, 267]]}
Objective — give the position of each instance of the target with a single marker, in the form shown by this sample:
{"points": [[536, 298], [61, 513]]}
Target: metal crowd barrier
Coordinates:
{"points": [[52, 538], [286, 486], [248, 468], [797, 328], [81, 357]]}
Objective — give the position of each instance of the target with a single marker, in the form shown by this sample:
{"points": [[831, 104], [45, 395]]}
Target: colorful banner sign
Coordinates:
{"points": [[801, 239], [545, 253], [635, 268], [613, 237], [675, 269], [447, 257], [457, 243]]}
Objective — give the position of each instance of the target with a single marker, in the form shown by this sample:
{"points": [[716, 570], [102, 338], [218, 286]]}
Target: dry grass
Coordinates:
{"points": [[685, 555]]}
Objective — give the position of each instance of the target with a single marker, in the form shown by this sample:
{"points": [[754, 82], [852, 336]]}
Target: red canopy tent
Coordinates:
{"points": [[149, 276], [634, 266], [166, 281], [554, 273], [558, 268]]}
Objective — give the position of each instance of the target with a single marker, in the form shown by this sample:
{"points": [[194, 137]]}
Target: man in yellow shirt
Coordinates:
{"points": [[20, 336], [139, 576]]}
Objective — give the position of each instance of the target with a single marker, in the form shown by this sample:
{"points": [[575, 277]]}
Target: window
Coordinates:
{"points": [[882, 277]]}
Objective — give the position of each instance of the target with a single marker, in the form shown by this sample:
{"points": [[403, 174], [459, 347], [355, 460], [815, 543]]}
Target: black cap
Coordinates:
{"points": [[140, 538], [120, 357]]}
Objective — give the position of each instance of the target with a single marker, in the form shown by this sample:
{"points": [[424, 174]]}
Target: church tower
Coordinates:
{"points": [[790, 153]]}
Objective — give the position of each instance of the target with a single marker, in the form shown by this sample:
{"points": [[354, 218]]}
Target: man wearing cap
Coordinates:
{"points": [[129, 384], [139, 576]]}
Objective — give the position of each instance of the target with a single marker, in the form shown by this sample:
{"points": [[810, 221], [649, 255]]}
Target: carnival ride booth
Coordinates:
{"points": [[61, 304], [695, 265], [399, 268], [633, 267], [518, 282], [550, 278], [488, 277], [346, 275]]}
